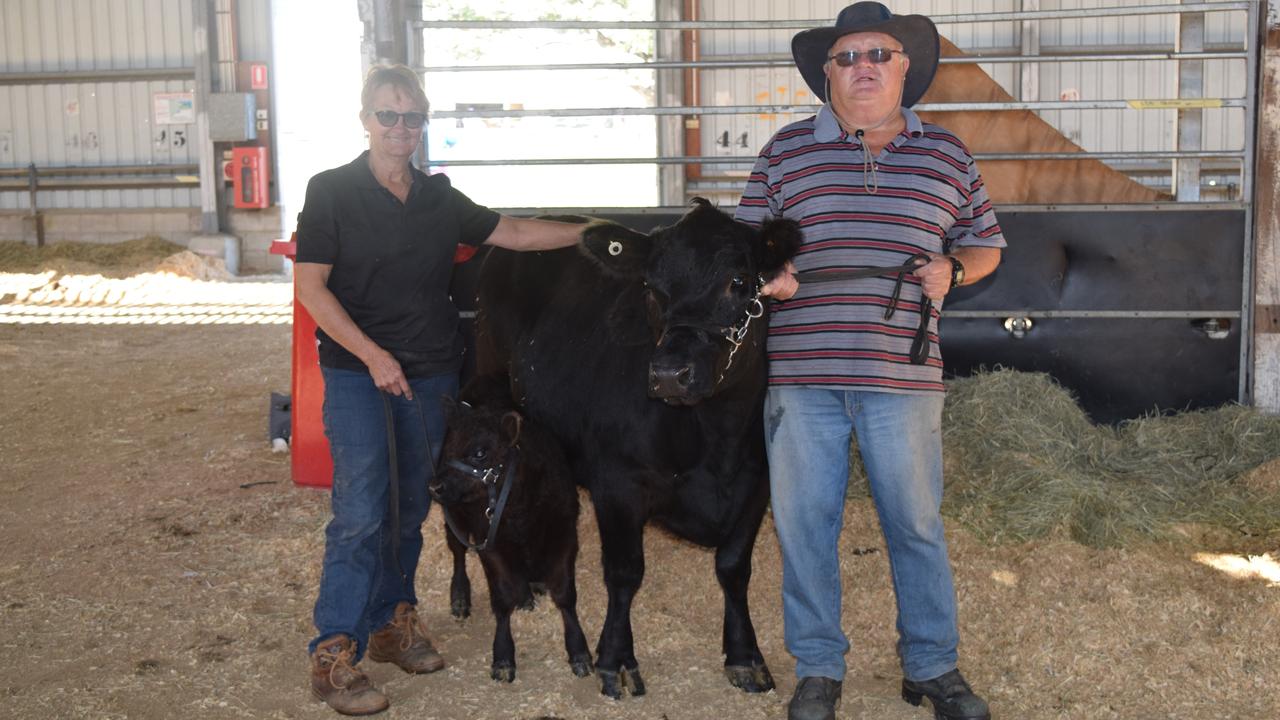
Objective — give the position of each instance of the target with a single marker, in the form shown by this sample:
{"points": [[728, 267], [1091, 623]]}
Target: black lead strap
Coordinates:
{"points": [[393, 487], [920, 343]]}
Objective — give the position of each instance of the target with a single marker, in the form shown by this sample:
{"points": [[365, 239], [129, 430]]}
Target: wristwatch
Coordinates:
{"points": [[957, 272]]}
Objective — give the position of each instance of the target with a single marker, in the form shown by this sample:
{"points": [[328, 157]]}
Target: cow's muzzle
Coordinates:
{"points": [[671, 382]]}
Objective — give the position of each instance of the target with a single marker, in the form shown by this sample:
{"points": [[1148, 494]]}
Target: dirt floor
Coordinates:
{"points": [[158, 562]]}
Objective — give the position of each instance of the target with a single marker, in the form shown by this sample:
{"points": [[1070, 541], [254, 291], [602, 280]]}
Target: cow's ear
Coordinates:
{"points": [[616, 249], [779, 242], [511, 423]]}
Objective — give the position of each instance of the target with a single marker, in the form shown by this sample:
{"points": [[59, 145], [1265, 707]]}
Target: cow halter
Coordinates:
{"points": [[497, 498], [737, 333]]}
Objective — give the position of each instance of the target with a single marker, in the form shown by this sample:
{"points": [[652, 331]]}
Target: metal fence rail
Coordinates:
{"points": [[788, 62], [1182, 104], [96, 177], [795, 24]]}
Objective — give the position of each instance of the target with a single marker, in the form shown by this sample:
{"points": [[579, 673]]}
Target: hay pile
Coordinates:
{"points": [[114, 260], [1023, 461]]}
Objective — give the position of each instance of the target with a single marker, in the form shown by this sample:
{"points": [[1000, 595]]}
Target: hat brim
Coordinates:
{"points": [[917, 33]]}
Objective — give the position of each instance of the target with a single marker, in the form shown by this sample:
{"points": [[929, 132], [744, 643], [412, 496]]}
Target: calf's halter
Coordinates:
{"points": [[497, 498]]}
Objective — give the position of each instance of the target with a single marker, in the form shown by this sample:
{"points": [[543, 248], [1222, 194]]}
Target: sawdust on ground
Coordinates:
{"points": [[159, 563]]}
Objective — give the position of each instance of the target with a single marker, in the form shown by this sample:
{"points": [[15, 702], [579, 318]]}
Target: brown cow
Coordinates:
{"points": [[1008, 131]]}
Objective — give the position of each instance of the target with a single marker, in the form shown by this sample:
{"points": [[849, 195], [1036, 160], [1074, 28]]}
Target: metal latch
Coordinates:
{"points": [[1017, 326]]}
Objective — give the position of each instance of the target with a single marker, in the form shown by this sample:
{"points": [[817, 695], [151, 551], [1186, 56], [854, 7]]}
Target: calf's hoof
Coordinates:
{"points": [[503, 672], [754, 678], [460, 606], [612, 683], [580, 665]]}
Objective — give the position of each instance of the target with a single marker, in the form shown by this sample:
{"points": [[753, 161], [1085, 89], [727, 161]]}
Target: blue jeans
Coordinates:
{"points": [[360, 584], [807, 434]]}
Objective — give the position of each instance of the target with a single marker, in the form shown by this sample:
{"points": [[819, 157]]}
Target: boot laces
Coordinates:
{"points": [[410, 626], [339, 666]]}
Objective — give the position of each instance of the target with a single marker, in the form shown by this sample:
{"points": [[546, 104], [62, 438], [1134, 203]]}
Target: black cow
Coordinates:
{"points": [[645, 356], [499, 471]]}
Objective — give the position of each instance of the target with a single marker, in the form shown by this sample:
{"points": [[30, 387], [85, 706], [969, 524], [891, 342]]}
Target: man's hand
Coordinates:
{"points": [[783, 285], [935, 276], [387, 374]]}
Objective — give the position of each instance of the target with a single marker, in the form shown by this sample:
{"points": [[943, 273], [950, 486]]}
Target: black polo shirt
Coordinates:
{"points": [[391, 261]]}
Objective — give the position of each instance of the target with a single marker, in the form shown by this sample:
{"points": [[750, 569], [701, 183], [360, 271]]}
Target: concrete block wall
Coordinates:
{"points": [[257, 229]]}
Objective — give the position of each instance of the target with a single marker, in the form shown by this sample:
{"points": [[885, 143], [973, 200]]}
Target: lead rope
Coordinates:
{"points": [[393, 487], [920, 343]]}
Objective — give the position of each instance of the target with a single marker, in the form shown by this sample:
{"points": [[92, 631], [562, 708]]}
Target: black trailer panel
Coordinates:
{"points": [[1135, 311]]}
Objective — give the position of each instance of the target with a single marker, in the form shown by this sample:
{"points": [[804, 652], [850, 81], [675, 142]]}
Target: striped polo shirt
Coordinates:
{"points": [[922, 193]]}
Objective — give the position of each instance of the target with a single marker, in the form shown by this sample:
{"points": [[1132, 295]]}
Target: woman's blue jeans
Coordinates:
{"points": [[807, 433], [360, 584]]}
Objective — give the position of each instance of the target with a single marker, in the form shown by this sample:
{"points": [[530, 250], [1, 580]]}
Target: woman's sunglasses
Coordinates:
{"points": [[877, 56], [389, 118]]}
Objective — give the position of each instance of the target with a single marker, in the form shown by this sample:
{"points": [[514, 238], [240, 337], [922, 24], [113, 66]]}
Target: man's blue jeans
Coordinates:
{"points": [[807, 434], [360, 584]]}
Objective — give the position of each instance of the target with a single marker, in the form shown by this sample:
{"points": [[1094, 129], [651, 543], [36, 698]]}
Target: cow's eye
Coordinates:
{"points": [[479, 453], [738, 281]]}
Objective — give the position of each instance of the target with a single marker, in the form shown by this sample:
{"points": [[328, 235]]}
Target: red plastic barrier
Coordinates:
{"points": [[308, 448]]}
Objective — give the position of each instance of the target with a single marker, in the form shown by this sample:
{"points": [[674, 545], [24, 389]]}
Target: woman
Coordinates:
{"points": [[376, 240]]}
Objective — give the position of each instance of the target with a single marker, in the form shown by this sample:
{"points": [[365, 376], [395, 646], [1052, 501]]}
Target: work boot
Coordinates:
{"points": [[950, 695], [815, 698], [404, 641], [337, 682]]}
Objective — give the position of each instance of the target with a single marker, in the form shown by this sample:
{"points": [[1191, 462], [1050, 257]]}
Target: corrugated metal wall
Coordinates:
{"points": [[103, 123], [253, 29], [1096, 130], [1115, 130], [98, 123]]}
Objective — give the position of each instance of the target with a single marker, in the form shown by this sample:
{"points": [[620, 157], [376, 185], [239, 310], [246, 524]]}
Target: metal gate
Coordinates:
{"points": [[1120, 320]]}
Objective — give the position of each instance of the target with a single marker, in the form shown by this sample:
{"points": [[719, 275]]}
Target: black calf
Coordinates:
{"points": [[536, 540]]}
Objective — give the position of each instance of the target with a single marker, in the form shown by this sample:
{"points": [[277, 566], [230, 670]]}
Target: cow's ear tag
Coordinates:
{"points": [[615, 248]]}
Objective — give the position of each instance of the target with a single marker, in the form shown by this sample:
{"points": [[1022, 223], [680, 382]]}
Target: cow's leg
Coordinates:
{"points": [[506, 592], [460, 585], [622, 544], [564, 592], [743, 663]]}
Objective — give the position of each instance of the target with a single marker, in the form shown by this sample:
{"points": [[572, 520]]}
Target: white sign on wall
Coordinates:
{"points": [[175, 108]]}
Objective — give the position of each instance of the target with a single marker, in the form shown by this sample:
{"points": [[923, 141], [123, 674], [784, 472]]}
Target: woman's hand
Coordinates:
{"points": [[387, 375]]}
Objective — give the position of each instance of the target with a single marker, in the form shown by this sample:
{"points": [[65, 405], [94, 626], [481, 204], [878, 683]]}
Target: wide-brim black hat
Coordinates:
{"points": [[917, 33]]}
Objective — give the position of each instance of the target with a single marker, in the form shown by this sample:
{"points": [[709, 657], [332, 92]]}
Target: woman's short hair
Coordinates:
{"points": [[403, 78]]}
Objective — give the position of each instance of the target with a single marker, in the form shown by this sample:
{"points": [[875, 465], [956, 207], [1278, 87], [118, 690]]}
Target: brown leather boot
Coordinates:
{"points": [[338, 683], [404, 641]]}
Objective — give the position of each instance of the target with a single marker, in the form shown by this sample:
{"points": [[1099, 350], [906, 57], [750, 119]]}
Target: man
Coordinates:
{"points": [[872, 187], [376, 240]]}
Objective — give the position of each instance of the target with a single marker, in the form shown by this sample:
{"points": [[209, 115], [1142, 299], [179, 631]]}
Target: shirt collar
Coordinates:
{"points": [[365, 179], [826, 128]]}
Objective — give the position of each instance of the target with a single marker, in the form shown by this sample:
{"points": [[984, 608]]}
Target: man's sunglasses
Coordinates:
{"points": [[877, 56], [389, 118]]}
